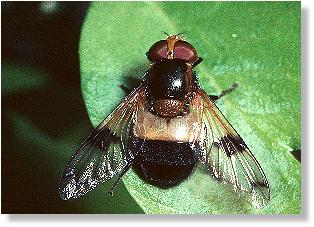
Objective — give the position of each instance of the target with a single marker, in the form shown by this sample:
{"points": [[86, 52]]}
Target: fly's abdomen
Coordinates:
{"points": [[164, 163], [162, 147]]}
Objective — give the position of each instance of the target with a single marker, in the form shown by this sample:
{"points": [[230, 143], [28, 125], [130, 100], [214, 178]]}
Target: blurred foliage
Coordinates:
{"points": [[43, 115], [256, 44], [16, 79]]}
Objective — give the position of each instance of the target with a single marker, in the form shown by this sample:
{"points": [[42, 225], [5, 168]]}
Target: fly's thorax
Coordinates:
{"points": [[169, 107], [168, 84], [168, 79]]}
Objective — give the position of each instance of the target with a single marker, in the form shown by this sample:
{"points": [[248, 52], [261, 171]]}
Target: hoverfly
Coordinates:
{"points": [[163, 129]]}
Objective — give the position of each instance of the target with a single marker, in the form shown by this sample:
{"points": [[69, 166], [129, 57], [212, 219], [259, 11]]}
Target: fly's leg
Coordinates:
{"points": [[125, 89], [131, 83], [199, 60], [224, 92], [115, 184]]}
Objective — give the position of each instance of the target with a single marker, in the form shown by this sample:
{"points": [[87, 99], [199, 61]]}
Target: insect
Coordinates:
{"points": [[163, 129]]}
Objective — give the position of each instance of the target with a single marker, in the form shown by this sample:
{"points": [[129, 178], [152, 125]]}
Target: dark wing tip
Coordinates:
{"points": [[67, 186]]}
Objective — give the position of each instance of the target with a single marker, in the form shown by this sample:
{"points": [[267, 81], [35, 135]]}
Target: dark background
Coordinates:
{"points": [[43, 115], [38, 38]]}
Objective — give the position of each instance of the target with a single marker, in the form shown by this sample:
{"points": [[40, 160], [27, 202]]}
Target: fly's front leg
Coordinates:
{"points": [[125, 89], [131, 83], [224, 92]]}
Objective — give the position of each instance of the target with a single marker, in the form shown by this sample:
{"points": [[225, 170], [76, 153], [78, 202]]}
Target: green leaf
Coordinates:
{"points": [[256, 44]]}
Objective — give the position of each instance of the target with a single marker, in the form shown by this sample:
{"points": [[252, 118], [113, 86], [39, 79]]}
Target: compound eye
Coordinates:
{"points": [[157, 51], [184, 50]]}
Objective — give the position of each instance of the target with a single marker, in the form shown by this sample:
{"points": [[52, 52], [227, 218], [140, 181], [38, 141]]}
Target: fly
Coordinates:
{"points": [[163, 129]]}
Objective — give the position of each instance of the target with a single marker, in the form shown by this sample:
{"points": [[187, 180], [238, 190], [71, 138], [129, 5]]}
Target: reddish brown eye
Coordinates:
{"points": [[184, 50], [157, 51]]}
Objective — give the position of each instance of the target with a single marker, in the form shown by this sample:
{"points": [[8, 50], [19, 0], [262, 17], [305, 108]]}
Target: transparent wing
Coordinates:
{"points": [[104, 153], [227, 156]]}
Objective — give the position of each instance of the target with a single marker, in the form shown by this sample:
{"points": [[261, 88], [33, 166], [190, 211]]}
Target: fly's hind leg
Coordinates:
{"points": [[224, 92], [115, 184], [115, 140]]}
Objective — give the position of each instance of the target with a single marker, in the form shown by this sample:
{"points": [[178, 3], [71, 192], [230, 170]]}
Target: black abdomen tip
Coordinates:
{"points": [[164, 163]]}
